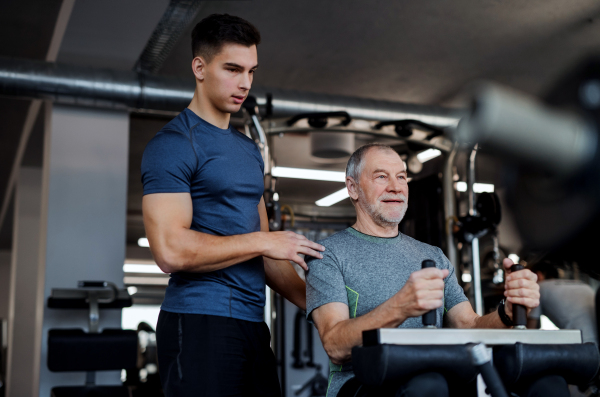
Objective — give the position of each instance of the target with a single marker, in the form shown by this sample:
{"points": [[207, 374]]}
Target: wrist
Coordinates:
{"points": [[508, 309], [506, 320], [259, 243]]}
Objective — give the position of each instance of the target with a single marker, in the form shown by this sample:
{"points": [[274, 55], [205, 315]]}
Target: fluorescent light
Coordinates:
{"points": [[315, 175], [428, 154], [143, 242], [141, 268], [146, 280], [477, 187], [466, 277], [514, 257], [333, 198], [132, 290]]}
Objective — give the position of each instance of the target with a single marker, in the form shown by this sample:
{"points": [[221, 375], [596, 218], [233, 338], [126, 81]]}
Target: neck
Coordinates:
{"points": [[365, 224], [208, 112]]}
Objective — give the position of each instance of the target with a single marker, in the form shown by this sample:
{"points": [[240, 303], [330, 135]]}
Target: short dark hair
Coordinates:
{"points": [[548, 268], [211, 33]]}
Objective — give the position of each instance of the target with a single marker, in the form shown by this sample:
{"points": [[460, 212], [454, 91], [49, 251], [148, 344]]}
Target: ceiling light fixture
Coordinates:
{"points": [[477, 187], [315, 175], [428, 154], [333, 198], [143, 242], [141, 268]]}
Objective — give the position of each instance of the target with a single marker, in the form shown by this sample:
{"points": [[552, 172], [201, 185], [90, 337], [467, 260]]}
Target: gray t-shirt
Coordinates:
{"points": [[363, 271], [569, 304]]}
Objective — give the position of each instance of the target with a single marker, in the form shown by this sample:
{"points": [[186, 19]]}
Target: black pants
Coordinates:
{"points": [[432, 384], [202, 355]]}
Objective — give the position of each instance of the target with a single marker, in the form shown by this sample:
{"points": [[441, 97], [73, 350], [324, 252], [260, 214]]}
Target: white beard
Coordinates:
{"points": [[378, 216]]}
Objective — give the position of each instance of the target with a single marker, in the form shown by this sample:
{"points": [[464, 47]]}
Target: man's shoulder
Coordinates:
{"points": [[409, 241], [336, 240]]}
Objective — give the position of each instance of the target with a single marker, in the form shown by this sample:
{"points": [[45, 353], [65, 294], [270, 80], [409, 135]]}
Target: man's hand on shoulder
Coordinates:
{"points": [[288, 245], [424, 291]]}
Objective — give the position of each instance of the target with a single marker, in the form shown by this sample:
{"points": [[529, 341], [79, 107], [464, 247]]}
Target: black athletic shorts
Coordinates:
{"points": [[203, 355]]}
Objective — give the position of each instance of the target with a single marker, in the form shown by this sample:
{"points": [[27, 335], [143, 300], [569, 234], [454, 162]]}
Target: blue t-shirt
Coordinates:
{"points": [[223, 172]]}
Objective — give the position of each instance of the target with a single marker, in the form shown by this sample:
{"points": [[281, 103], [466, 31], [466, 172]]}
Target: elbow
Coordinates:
{"points": [[167, 259], [335, 354]]}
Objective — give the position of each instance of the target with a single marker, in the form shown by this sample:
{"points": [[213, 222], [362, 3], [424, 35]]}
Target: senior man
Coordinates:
{"points": [[370, 277]]}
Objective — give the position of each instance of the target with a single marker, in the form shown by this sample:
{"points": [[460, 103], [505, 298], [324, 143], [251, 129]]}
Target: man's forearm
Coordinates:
{"points": [[192, 251], [283, 279], [491, 320], [341, 338]]}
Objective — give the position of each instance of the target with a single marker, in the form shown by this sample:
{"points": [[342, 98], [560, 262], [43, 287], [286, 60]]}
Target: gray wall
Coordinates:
{"points": [[83, 217]]}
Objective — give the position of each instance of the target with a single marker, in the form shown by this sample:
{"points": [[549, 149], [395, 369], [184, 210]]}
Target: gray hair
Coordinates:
{"points": [[356, 164]]}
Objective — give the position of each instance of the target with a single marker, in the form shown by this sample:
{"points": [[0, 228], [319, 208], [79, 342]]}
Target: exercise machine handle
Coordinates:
{"points": [[429, 317], [519, 311]]}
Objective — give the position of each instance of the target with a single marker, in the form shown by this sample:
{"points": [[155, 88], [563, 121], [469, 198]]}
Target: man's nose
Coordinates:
{"points": [[246, 81]]}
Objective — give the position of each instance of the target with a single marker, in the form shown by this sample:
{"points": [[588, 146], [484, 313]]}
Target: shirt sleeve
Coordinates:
{"points": [[453, 292], [324, 283], [168, 164]]}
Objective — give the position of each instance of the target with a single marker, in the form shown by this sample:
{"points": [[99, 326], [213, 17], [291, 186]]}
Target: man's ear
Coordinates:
{"points": [[198, 67], [352, 187]]}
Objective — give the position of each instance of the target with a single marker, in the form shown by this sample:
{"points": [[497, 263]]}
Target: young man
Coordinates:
{"points": [[371, 277], [206, 222]]}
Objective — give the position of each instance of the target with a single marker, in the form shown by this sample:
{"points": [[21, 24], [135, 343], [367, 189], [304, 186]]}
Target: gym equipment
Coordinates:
{"points": [[75, 350], [519, 311], [299, 322], [429, 317], [317, 384], [482, 360], [554, 159]]}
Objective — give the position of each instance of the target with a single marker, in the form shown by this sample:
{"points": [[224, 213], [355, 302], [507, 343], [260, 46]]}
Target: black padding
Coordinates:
{"points": [[66, 303], [75, 350], [374, 365], [577, 363], [90, 391]]}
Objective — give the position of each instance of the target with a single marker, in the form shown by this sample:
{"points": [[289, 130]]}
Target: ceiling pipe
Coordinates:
{"points": [[120, 89]]}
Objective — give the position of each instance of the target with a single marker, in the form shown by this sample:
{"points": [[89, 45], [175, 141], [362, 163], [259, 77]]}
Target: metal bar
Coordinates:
{"points": [[107, 88], [450, 206], [471, 181], [476, 265], [490, 337]]}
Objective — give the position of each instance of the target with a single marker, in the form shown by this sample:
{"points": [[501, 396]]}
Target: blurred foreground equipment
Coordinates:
{"points": [[551, 159]]}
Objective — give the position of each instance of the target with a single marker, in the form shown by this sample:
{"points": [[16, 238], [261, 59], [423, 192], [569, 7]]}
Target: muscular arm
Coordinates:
{"points": [[423, 291], [175, 247]]}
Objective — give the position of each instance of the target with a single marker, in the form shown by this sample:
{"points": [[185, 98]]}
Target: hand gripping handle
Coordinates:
{"points": [[429, 317], [519, 311]]}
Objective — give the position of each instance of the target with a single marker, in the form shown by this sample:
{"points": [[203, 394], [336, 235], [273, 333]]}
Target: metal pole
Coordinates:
{"points": [[475, 242], [450, 206]]}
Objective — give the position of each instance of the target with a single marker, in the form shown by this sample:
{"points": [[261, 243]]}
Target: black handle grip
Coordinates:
{"points": [[519, 311], [429, 317]]}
